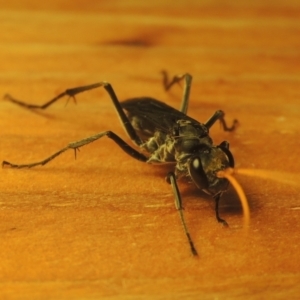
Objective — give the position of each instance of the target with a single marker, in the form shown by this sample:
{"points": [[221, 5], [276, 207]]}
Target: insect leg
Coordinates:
{"points": [[124, 119], [74, 91], [78, 144], [69, 92], [186, 90], [219, 115], [217, 199], [171, 178]]}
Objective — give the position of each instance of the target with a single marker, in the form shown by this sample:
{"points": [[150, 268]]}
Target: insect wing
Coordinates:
{"points": [[149, 115]]}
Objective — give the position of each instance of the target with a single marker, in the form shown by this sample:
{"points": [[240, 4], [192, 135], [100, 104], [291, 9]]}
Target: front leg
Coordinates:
{"points": [[217, 200], [171, 178]]}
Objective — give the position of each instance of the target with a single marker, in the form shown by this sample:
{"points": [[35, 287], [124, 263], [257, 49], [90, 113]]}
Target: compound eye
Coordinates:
{"points": [[197, 173]]}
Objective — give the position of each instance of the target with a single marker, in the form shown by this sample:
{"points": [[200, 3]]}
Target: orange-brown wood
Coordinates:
{"points": [[104, 225]]}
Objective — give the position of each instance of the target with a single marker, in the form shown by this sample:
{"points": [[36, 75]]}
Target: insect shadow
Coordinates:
{"points": [[164, 135]]}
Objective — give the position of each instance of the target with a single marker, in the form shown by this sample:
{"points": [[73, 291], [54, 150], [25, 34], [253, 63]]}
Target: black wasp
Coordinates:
{"points": [[165, 135]]}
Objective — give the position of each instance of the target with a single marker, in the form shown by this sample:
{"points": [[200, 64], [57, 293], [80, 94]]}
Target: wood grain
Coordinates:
{"points": [[105, 226]]}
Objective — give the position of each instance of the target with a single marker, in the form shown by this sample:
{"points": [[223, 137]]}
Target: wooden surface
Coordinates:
{"points": [[104, 225]]}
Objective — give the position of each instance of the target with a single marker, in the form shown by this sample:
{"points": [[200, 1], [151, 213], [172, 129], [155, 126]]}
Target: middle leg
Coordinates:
{"points": [[219, 115], [78, 144]]}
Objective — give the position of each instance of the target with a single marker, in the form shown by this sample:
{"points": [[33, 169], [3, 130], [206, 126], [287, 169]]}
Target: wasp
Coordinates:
{"points": [[163, 135]]}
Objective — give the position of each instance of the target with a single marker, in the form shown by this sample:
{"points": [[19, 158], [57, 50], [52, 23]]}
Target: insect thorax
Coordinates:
{"points": [[177, 145]]}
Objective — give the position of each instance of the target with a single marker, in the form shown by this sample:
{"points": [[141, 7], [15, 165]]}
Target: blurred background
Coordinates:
{"points": [[106, 226]]}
